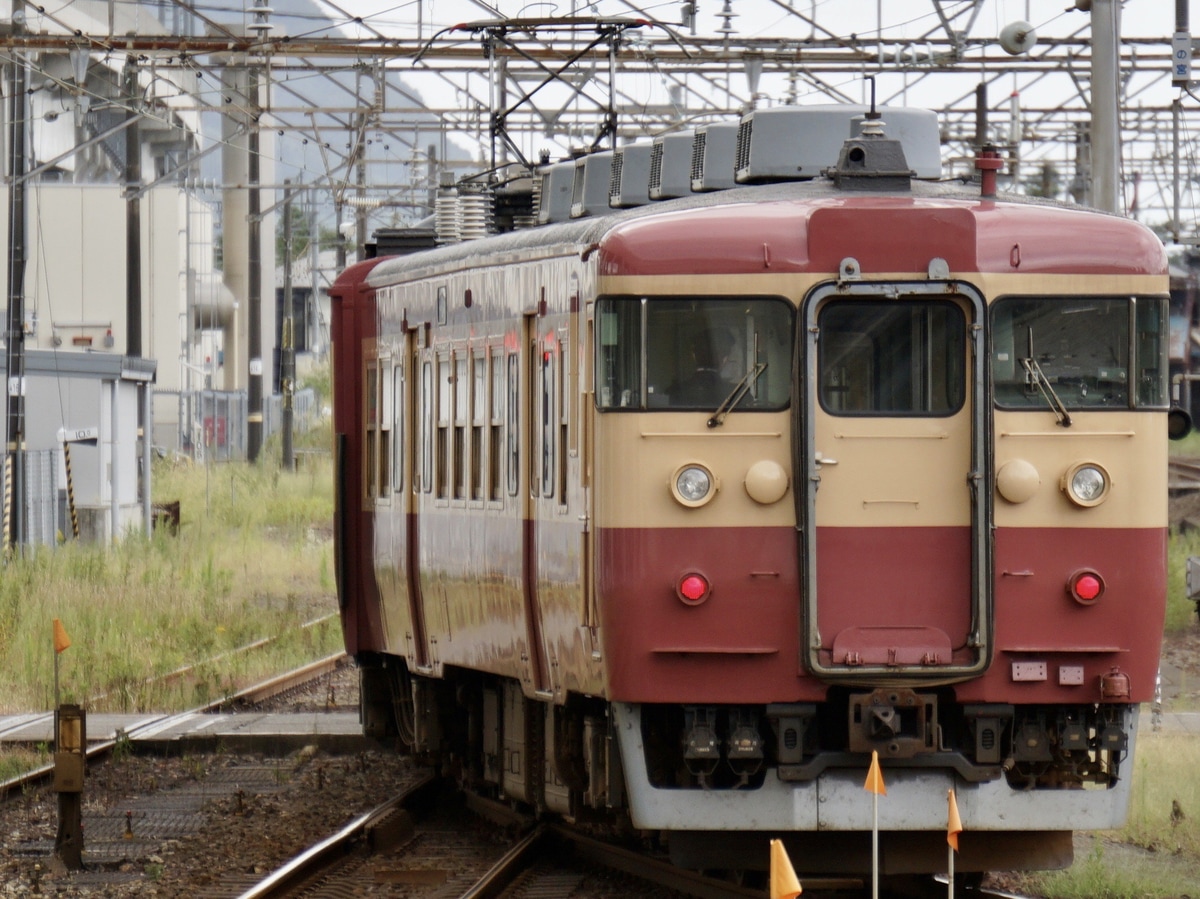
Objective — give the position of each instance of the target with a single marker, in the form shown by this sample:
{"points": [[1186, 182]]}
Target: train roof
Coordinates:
{"points": [[813, 226]]}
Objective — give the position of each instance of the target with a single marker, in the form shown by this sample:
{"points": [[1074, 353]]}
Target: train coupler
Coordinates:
{"points": [[898, 723]]}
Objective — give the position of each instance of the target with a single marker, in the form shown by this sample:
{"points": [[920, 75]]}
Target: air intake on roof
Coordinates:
{"points": [[554, 194], [589, 194], [713, 151], [671, 165], [628, 184], [800, 142]]}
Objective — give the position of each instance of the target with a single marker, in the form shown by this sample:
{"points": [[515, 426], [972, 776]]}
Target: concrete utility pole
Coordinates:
{"points": [[254, 393], [287, 355], [14, 459], [1106, 127]]}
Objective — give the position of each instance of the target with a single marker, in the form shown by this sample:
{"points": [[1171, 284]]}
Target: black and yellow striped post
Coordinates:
{"points": [[71, 491], [8, 494]]}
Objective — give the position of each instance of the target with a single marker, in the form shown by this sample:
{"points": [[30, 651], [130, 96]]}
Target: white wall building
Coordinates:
{"points": [[75, 285]]}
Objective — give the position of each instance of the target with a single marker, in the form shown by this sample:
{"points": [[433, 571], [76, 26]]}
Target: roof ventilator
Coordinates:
{"points": [[589, 193], [630, 177], [554, 194], [713, 150], [670, 165]]}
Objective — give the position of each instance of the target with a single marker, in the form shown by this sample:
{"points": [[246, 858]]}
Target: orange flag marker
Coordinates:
{"points": [[61, 640], [954, 827], [875, 782], [784, 883]]}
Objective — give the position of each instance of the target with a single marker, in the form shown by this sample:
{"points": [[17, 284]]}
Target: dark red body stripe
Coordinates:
{"points": [[742, 645]]}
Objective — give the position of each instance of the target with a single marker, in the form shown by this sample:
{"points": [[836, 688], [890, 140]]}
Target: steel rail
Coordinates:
{"points": [[286, 681], [664, 873], [312, 860], [519, 858]]}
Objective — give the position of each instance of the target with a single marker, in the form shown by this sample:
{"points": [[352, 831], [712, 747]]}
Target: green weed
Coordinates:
{"points": [[251, 562]]}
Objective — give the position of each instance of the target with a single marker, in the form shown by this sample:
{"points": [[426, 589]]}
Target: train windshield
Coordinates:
{"points": [[1080, 352], [693, 353]]}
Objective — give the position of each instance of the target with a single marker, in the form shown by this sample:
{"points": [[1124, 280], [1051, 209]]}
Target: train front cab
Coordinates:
{"points": [[979, 560]]}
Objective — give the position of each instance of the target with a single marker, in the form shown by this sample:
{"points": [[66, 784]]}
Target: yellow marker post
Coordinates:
{"points": [[876, 787], [61, 642], [784, 883], [953, 829]]}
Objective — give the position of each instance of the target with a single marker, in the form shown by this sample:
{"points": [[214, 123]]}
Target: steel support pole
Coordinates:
{"points": [[146, 411], [133, 213], [15, 345]]}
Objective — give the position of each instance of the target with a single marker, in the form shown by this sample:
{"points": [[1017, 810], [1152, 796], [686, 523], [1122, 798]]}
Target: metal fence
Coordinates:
{"points": [[44, 505], [213, 423], [214, 427]]}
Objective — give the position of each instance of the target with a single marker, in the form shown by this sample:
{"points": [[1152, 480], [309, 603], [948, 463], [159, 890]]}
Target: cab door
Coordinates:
{"points": [[895, 427]]}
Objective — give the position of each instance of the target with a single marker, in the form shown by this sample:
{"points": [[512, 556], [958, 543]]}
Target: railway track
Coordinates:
{"points": [[98, 752], [1183, 475], [449, 856], [439, 859], [1183, 493], [400, 845]]}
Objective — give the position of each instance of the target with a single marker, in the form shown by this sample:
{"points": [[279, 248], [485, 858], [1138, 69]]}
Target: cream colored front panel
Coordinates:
{"points": [[893, 472], [1125, 444], [637, 455]]}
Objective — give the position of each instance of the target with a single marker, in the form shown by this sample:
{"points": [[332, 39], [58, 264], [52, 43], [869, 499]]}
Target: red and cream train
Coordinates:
{"points": [[916, 504]]}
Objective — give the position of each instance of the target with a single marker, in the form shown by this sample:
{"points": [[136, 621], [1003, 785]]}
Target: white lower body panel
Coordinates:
{"points": [[836, 801]]}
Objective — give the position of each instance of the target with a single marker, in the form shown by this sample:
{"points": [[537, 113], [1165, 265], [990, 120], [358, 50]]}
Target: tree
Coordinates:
{"points": [[327, 237]]}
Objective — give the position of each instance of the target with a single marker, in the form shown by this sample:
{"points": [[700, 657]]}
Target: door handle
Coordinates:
{"points": [[821, 460]]}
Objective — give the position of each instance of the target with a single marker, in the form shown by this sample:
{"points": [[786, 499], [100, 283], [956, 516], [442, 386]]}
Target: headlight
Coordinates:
{"points": [[693, 485], [1086, 484]]}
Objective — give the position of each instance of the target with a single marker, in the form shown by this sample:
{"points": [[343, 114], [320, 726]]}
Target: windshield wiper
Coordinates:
{"points": [[739, 390], [1034, 376]]}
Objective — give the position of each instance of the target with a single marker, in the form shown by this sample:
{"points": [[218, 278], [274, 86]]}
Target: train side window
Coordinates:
{"points": [[479, 394], [462, 397], [445, 411], [1150, 351], [383, 481], [564, 394], [887, 358], [513, 423], [619, 353], [399, 400], [425, 418], [549, 413], [371, 420], [496, 428]]}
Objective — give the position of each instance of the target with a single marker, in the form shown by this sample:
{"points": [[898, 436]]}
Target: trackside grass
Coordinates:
{"points": [[252, 561], [1157, 854]]}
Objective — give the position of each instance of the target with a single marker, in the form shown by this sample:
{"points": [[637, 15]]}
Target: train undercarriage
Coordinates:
{"points": [[719, 779]]}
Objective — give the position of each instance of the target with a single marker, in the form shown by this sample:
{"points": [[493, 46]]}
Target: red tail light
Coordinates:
{"points": [[1085, 586], [692, 588]]}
